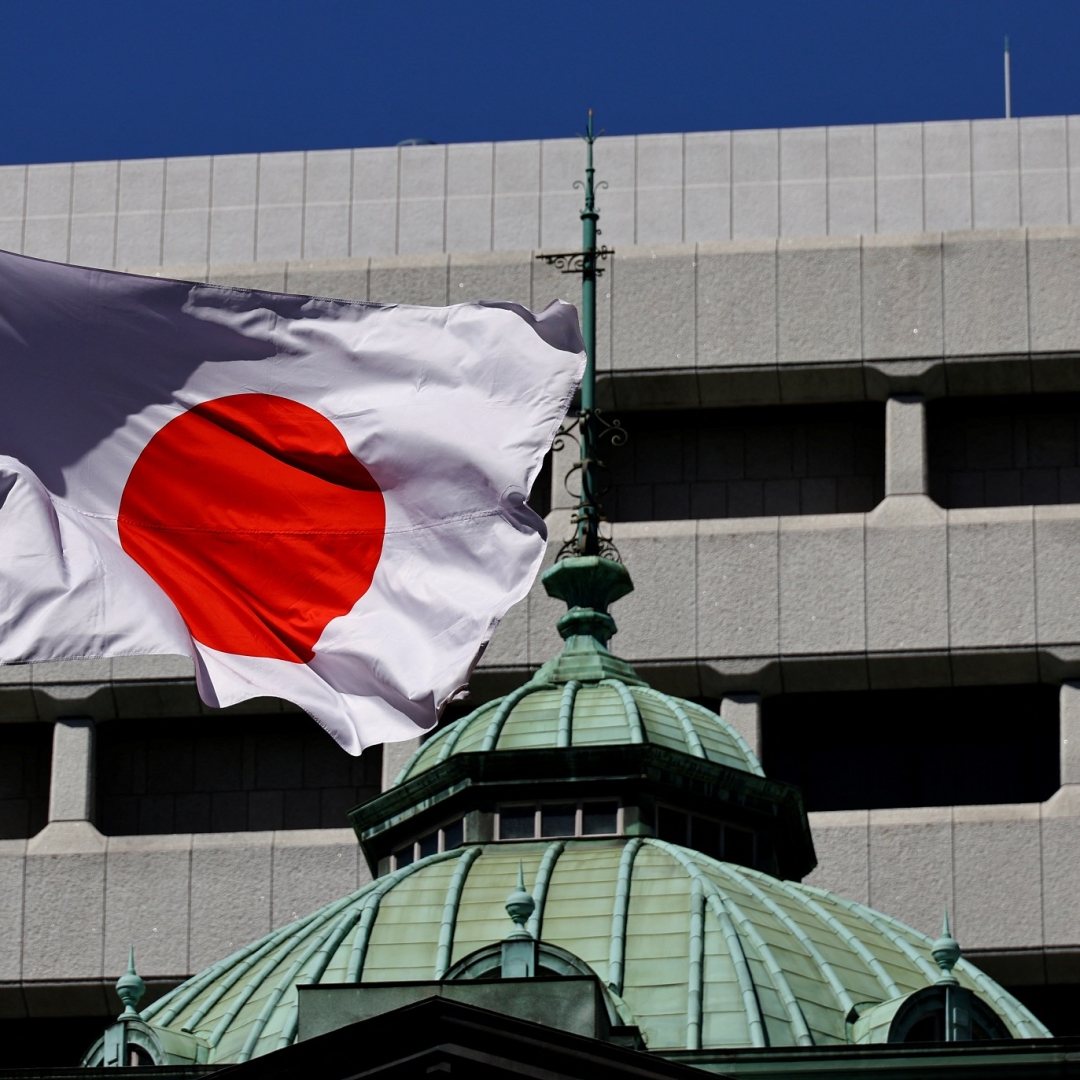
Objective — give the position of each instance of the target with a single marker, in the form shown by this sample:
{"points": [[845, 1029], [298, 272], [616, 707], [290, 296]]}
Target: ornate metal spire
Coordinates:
{"points": [[520, 905], [587, 539], [946, 952], [130, 988]]}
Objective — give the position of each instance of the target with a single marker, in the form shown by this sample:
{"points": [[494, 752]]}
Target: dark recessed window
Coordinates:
{"points": [[445, 838], [25, 759], [707, 835], [541, 820], [945, 747], [766, 461]]}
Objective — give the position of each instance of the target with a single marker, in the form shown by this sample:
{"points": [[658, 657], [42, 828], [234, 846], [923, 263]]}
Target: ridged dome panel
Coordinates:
{"points": [[704, 954], [607, 713]]}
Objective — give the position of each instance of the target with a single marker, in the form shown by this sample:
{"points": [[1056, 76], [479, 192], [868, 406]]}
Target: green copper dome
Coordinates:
{"points": [[568, 794], [610, 712], [700, 954]]}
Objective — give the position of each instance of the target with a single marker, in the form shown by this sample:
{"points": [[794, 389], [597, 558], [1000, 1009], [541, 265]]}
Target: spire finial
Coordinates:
{"points": [[130, 988], [946, 952], [520, 905]]}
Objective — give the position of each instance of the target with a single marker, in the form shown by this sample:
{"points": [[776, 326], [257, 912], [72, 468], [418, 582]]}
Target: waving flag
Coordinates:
{"points": [[314, 499]]}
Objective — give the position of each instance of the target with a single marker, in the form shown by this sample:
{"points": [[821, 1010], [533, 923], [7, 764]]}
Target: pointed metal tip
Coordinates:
{"points": [[945, 924], [521, 875], [131, 960], [1006, 42]]}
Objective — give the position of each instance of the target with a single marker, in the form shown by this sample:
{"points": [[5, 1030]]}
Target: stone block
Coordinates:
{"points": [[375, 173], [1006, 838], [985, 293], [93, 187], [13, 192], [658, 620], [991, 577], [374, 227], [516, 215], [420, 279], [901, 296], [495, 275], [138, 238], [561, 165], [327, 199], [48, 190], [11, 234], [995, 179], [12, 884], [47, 237], [312, 868], [907, 587], [707, 187], [1061, 867], [755, 178], [146, 904], [231, 883], [1069, 713], [615, 163], [64, 903], [327, 234], [822, 584], [738, 587], [279, 232], [842, 845], [649, 324], [234, 180], [342, 279], [905, 446], [71, 781], [911, 865], [1057, 602], [544, 612], [268, 276], [422, 200], [92, 240], [282, 179], [187, 183], [185, 238], [736, 303], [1054, 270], [818, 304], [803, 174], [899, 184], [659, 206], [743, 713], [851, 180], [232, 234], [469, 203], [1044, 175], [947, 179]]}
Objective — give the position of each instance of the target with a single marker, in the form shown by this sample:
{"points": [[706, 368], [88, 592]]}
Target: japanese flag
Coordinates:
{"points": [[318, 500]]}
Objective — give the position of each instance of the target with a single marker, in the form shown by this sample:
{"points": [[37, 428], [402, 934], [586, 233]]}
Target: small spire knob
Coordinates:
{"points": [[520, 905], [130, 988], [946, 952]]}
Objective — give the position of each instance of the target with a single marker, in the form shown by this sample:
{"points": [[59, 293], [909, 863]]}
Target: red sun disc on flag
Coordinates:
{"points": [[253, 515]]}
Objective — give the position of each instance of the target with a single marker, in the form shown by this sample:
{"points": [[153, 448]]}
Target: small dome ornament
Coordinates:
{"points": [[130, 989], [946, 952], [519, 906]]}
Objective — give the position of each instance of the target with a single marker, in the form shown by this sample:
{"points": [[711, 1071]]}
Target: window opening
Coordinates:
{"points": [[707, 835], [445, 838], [532, 821]]}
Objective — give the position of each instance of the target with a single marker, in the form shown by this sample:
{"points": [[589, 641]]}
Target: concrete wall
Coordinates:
{"points": [[704, 186], [906, 595]]}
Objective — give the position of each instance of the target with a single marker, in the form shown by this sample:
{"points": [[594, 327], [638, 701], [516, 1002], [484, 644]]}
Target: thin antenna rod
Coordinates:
{"points": [[1008, 82]]}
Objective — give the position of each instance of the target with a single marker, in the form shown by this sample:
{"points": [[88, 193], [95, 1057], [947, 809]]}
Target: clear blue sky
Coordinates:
{"points": [[88, 79]]}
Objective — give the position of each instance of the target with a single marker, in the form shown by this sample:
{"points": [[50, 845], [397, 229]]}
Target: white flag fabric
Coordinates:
{"points": [[314, 499]]}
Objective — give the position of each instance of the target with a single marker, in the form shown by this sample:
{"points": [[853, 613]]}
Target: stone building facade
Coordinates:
{"points": [[848, 361]]}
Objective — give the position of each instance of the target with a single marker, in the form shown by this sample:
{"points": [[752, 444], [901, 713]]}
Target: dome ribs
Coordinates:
{"points": [[371, 908], [828, 973], [695, 982], [755, 1021], [544, 871], [633, 716], [693, 739], [494, 730], [889, 987], [450, 910], [617, 950], [566, 713]]}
